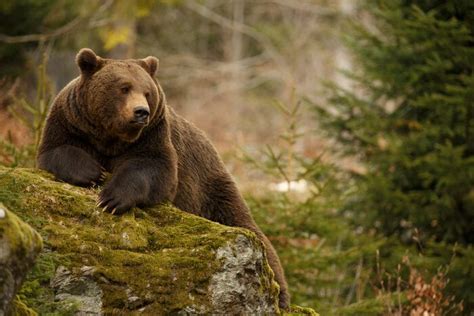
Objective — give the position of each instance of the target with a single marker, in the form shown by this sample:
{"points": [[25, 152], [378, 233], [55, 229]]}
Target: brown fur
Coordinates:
{"points": [[89, 131]]}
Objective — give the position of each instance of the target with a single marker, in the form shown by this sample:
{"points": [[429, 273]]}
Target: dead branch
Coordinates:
{"points": [[239, 27]]}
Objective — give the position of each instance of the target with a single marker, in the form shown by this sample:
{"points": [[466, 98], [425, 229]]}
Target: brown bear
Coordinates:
{"points": [[114, 117]]}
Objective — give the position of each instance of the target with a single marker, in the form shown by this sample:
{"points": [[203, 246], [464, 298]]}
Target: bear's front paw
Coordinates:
{"points": [[114, 200], [82, 172]]}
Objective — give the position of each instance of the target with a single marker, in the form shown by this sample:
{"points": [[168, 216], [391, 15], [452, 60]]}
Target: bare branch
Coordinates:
{"points": [[41, 37], [305, 6], [244, 29]]}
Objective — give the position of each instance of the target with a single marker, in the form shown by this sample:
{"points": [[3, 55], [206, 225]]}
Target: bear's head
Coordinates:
{"points": [[119, 97]]}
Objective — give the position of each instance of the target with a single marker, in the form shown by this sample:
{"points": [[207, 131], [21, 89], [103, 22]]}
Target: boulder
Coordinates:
{"points": [[153, 261]]}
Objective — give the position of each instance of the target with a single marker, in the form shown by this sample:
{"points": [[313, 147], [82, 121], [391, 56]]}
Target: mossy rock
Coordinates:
{"points": [[154, 261], [19, 246]]}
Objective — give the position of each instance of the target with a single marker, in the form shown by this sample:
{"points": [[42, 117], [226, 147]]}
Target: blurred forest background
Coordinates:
{"points": [[348, 125]]}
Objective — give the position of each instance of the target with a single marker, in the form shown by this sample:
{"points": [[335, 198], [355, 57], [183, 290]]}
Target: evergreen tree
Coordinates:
{"points": [[409, 117]]}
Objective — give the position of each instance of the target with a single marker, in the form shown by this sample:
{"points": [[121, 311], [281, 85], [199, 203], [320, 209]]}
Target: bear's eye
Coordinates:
{"points": [[125, 90], [147, 95]]}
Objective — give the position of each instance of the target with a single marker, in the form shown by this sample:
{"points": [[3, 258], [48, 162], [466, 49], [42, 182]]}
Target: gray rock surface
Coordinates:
{"points": [[236, 288], [80, 290]]}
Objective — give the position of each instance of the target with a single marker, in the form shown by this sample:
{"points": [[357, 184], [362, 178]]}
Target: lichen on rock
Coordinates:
{"points": [[154, 261]]}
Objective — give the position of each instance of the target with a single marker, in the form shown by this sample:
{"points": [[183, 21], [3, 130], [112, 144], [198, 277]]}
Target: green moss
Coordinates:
{"points": [[22, 239], [36, 292], [22, 244], [20, 309], [297, 310], [160, 255]]}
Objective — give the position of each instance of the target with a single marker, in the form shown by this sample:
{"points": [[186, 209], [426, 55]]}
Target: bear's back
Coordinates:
{"points": [[199, 165]]}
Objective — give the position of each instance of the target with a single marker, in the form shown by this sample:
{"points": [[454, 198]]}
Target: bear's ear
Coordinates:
{"points": [[152, 64], [87, 61]]}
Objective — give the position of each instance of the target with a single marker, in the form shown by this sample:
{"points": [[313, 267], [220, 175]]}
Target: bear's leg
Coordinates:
{"points": [[228, 207], [72, 165], [139, 181]]}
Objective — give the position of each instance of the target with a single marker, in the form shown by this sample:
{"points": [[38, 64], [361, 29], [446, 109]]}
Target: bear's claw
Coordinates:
{"points": [[113, 201]]}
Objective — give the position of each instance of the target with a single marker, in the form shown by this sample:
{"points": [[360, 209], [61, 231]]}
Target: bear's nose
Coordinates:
{"points": [[141, 113]]}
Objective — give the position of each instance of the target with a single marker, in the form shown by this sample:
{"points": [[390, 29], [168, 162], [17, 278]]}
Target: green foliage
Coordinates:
{"points": [[320, 250], [284, 161], [340, 269], [336, 265], [409, 116]]}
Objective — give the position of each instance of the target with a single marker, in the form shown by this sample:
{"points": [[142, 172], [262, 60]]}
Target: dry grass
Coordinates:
{"points": [[417, 294]]}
